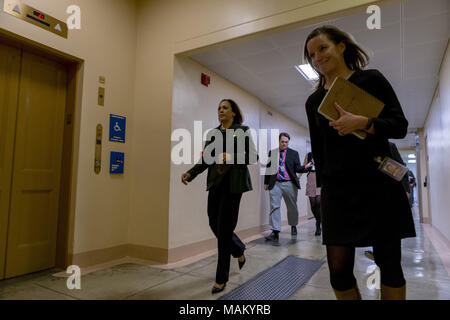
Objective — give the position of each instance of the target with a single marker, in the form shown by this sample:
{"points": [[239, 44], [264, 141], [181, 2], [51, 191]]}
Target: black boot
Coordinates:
{"points": [[273, 236], [318, 230], [293, 230]]}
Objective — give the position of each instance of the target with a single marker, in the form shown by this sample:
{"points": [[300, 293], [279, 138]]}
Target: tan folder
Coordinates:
{"points": [[351, 98]]}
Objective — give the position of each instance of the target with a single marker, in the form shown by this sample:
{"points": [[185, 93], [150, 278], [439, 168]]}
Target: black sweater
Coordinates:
{"points": [[347, 157]]}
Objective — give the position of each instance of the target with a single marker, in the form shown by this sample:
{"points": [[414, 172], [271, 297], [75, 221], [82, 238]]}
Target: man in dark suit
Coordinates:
{"points": [[283, 183], [397, 157], [412, 184]]}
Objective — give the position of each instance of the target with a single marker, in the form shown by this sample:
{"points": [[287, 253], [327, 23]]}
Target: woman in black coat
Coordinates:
{"points": [[360, 205], [228, 178]]}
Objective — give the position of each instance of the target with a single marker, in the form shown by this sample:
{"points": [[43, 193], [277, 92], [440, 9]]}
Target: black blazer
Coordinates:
{"points": [[238, 174], [292, 165]]}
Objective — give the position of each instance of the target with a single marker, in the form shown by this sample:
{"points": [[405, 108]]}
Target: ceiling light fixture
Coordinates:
{"points": [[307, 71], [411, 161], [411, 156]]}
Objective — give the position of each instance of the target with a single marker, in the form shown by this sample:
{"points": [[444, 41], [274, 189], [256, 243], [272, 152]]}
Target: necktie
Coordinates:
{"points": [[281, 169]]}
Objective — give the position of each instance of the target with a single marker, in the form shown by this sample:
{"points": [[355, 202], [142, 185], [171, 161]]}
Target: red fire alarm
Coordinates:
{"points": [[206, 80]]}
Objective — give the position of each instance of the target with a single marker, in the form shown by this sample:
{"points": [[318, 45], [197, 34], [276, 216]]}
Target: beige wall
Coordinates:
{"points": [[168, 27], [101, 206], [437, 130], [133, 43], [194, 102]]}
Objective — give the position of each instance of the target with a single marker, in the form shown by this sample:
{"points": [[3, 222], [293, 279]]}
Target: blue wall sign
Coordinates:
{"points": [[116, 162], [117, 128]]}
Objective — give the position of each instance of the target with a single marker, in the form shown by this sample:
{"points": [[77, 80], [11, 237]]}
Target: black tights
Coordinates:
{"points": [[387, 256], [315, 207]]}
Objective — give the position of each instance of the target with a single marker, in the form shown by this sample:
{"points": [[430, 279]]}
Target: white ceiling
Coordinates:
{"points": [[408, 50]]}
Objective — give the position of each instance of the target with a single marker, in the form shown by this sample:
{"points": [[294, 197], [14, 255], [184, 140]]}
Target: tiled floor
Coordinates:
{"points": [[426, 276]]}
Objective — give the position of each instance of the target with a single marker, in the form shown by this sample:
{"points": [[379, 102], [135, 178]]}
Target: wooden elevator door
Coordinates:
{"points": [[36, 166]]}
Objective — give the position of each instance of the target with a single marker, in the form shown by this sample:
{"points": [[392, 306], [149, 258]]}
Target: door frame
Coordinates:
{"points": [[69, 165]]}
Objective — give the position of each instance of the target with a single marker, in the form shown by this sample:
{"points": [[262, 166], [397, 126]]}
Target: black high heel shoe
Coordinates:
{"points": [[241, 264], [217, 289]]}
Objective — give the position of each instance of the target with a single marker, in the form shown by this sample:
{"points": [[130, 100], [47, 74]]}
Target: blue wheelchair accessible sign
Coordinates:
{"points": [[116, 162], [117, 128]]}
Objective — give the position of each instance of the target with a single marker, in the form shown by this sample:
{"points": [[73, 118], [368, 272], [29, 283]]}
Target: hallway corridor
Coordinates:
{"points": [[426, 275]]}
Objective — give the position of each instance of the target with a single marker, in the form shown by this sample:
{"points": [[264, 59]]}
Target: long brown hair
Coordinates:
{"points": [[235, 108], [355, 58]]}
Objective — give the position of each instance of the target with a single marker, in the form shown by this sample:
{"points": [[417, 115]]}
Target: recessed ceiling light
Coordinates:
{"points": [[411, 161], [307, 71], [411, 156]]}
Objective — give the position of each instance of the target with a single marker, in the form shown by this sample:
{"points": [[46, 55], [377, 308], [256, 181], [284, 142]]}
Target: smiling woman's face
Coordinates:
{"points": [[325, 55], [225, 112]]}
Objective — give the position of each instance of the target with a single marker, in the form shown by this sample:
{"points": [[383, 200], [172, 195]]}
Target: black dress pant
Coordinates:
{"points": [[223, 211]]}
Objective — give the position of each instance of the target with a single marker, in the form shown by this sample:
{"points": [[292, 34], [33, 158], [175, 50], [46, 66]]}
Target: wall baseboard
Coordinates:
{"points": [[95, 257], [186, 251], [99, 256], [161, 255], [148, 253], [189, 250], [440, 243]]}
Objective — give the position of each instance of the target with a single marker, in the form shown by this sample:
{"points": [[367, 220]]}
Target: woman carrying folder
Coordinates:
{"points": [[360, 205], [226, 182]]}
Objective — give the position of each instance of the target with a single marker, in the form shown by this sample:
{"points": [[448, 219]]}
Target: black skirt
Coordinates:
{"points": [[359, 204], [363, 212]]}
